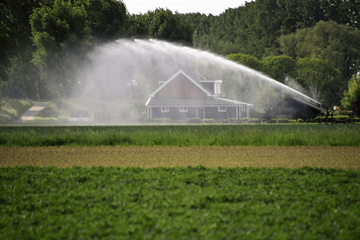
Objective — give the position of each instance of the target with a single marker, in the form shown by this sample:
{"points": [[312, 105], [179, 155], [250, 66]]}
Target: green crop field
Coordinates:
{"points": [[296, 181], [186, 135], [179, 203]]}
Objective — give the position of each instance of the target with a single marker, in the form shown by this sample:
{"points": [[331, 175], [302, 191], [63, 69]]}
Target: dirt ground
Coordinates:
{"points": [[148, 157]]}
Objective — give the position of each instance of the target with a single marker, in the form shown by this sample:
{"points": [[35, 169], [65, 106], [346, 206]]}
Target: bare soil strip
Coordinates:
{"points": [[149, 157]]}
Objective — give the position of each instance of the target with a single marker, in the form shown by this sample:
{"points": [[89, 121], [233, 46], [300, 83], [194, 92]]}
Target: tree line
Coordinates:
{"points": [[313, 42]]}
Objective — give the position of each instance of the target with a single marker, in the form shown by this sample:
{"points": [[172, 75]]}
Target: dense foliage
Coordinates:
{"points": [[179, 203], [351, 98], [195, 135], [12, 109], [44, 43]]}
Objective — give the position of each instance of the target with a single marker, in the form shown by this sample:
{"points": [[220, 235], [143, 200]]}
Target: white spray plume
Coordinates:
{"points": [[123, 74]]}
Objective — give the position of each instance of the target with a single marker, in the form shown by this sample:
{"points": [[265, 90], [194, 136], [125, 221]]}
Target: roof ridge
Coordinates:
{"points": [[173, 77]]}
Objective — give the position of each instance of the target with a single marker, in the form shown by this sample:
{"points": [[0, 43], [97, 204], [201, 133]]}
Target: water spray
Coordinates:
{"points": [[209, 55], [114, 65]]}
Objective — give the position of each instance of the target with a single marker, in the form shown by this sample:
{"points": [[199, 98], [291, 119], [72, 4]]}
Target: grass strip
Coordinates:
{"points": [[179, 203], [197, 135]]}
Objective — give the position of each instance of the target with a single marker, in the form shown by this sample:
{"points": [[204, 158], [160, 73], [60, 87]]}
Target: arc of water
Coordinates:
{"points": [[237, 66]]}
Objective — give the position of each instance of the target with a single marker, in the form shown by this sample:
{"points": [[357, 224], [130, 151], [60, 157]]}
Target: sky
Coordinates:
{"points": [[183, 6]]}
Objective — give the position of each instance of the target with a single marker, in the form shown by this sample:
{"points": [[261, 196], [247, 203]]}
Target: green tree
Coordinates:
{"points": [[318, 76], [137, 25], [163, 24], [279, 67], [62, 38], [106, 18], [16, 49], [5, 42], [329, 41], [212, 43], [342, 12], [351, 99], [254, 29], [246, 60], [63, 33], [248, 35]]}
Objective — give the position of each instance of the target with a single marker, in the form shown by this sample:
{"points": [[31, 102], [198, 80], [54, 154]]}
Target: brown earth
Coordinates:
{"points": [[148, 157]]}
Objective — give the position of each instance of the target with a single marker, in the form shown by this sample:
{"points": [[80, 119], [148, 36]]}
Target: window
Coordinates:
{"points": [[164, 109], [222, 109], [183, 109]]}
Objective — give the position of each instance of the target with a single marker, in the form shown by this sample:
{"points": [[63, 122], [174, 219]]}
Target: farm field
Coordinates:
{"points": [[179, 203], [180, 182]]}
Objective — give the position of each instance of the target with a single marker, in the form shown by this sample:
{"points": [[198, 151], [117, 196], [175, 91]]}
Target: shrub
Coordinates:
{"points": [[154, 120], [342, 118], [222, 121], [193, 120], [319, 119], [300, 120], [254, 120], [162, 120], [208, 120], [63, 117], [339, 118], [245, 120], [283, 121], [272, 120], [234, 120]]}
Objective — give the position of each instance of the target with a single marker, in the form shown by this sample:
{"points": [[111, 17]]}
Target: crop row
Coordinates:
{"points": [[179, 203], [196, 135]]}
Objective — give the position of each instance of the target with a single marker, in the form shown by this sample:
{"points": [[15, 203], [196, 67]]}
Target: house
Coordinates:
{"points": [[182, 96]]}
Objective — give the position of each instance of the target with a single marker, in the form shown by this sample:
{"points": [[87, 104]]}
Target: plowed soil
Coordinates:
{"points": [[213, 157]]}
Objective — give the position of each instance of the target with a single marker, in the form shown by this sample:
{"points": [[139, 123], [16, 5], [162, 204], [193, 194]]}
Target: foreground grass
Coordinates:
{"points": [[193, 135], [179, 203]]}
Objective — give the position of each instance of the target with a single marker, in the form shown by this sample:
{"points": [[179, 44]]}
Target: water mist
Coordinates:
{"points": [[123, 74]]}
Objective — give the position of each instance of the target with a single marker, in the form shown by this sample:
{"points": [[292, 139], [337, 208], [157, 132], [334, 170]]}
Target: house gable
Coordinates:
{"points": [[182, 97], [180, 85]]}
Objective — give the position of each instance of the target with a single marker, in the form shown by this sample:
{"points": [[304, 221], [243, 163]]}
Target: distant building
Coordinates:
{"points": [[182, 96]]}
